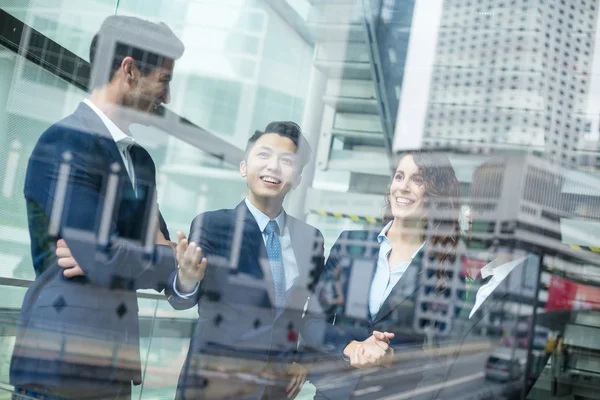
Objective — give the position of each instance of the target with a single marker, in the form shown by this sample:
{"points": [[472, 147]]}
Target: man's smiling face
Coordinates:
{"points": [[271, 167]]}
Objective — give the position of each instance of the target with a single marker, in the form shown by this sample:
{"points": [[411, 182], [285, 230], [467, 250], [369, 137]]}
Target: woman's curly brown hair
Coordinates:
{"points": [[441, 226]]}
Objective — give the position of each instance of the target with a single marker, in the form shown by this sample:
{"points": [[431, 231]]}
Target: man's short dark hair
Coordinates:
{"points": [[148, 43], [287, 129]]}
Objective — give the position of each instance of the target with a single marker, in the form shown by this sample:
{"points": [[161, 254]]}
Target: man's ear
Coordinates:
{"points": [[129, 70], [243, 168]]}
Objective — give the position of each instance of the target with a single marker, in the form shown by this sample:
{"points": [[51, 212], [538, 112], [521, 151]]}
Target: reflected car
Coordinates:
{"points": [[541, 337], [501, 366]]}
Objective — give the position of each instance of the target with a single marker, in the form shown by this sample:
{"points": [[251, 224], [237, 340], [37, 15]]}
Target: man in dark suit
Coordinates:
{"points": [[492, 299], [509, 280], [91, 197], [258, 269]]}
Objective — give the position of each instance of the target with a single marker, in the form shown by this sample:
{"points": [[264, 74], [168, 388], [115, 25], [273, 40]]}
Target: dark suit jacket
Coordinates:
{"points": [[468, 332], [84, 331], [240, 321], [355, 250]]}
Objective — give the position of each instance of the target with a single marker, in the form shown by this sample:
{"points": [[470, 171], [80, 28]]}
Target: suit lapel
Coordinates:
{"points": [[97, 127], [367, 256], [494, 299], [479, 316], [144, 170], [301, 240], [304, 242], [298, 245], [306, 245], [373, 272], [255, 264], [395, 298]]}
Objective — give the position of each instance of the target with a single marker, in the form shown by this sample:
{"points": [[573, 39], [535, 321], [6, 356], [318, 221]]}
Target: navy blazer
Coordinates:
{"points": [[84, 331], [353, 250], [465, 335], [234, 300]]}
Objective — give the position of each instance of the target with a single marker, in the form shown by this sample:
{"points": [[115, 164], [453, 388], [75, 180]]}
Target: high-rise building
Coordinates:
{"points": [[501, 75]]}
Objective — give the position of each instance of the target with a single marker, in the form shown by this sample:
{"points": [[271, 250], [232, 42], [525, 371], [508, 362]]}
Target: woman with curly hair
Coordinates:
{"points": [[424, 210], [386, 265]]}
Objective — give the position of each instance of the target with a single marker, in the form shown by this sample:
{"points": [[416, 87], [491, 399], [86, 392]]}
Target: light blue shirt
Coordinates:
{"points": [[385, 278], [290, 266]]}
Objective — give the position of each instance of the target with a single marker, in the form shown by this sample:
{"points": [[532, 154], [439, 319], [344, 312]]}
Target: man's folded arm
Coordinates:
{"points": [[118, 263]]}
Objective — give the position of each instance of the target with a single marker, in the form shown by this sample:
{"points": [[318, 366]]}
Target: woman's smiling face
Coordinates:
{"points": [[407, 191]]}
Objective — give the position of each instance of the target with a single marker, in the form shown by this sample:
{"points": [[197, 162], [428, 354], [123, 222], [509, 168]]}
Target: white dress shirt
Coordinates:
{"points": [[498, 274], [385, 278], [123, 140], [290, 266]]}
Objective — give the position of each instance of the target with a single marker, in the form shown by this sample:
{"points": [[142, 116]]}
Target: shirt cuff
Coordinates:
{"points": [[347, 361], [184, 295]]}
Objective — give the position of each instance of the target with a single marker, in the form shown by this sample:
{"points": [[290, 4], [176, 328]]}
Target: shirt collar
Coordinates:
{"points": [[501, 271], [120, 137], [263, 219], [382, 238]]}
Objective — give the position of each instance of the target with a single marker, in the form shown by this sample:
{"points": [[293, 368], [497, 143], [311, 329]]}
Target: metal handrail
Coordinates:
{"points": [[25, 283]]}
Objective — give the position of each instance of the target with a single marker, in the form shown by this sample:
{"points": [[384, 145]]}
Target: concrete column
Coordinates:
{"points": [[8, 169], [311, 126]]}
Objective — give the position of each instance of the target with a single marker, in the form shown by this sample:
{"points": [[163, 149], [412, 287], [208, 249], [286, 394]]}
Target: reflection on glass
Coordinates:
{"points": [[493, 291]]}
